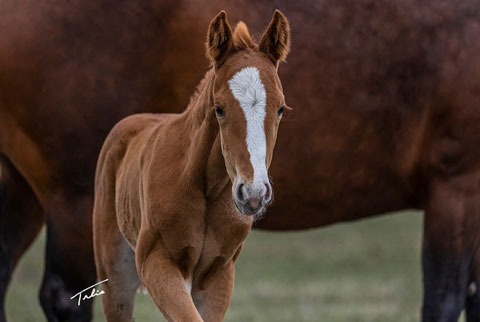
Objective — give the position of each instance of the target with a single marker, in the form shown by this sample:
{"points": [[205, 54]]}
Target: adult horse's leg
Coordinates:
{"points": [[472, 304], [452, 225], [69, 259], [21, 218]]}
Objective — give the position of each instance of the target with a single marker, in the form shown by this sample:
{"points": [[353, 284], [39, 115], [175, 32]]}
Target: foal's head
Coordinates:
{"points": [[249, 104]]}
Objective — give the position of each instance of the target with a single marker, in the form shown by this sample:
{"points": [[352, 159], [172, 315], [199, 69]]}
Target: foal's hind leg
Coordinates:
{"points": [[116, 261], [114, 258], [452, 226], [21, 218]]}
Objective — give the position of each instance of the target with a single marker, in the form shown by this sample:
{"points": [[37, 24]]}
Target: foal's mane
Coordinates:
{"points": [[199, 90]]}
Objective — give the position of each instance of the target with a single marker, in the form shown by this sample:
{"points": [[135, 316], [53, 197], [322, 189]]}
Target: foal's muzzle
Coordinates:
{"points": [[252, 199]]}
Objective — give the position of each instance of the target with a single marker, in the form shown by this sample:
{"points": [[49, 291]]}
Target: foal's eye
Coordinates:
{"points": [[280, 110], [219, 111]]}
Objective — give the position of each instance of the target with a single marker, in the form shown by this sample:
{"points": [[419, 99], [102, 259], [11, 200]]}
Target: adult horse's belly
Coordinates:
{"points": [[324, 174]]}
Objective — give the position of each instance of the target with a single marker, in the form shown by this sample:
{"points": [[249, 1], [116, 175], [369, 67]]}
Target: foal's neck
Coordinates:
{"points": [[205, 160]]}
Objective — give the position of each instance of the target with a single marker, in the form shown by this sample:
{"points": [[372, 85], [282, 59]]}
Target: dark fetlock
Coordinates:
{"points": [[472, 304], [57, 304]]}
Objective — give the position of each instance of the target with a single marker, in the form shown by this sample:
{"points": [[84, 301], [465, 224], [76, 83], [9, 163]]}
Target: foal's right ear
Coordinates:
{"points": [[219, 40]]}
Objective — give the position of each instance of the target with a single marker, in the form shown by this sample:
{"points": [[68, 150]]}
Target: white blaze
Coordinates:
{"points": [[248, 89]]}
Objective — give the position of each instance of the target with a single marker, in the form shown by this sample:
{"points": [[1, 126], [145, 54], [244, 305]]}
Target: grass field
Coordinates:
{"points": [[363, 271]]}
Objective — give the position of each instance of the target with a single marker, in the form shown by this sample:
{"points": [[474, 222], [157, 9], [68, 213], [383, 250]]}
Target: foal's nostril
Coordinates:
{"points": [[240, 195], [268, 194]]}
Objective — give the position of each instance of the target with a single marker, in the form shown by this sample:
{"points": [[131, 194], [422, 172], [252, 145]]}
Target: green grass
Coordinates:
{"points": [[363, 271]]}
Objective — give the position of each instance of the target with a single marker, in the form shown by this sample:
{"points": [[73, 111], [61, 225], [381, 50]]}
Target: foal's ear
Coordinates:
{"points": [[276, 39], [219, 40]]}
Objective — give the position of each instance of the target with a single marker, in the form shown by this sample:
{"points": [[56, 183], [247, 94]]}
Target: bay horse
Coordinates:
{"points": [[163, 199], [386, 96]]}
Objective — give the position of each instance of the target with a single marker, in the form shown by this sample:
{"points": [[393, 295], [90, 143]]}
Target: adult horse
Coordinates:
{"points": [[386, 97]]}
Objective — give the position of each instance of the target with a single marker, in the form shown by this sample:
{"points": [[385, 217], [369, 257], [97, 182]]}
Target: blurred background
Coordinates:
{"points": [[364, 271]]}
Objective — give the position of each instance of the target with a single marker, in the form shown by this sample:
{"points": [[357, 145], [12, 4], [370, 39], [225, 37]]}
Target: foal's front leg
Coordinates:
{"points": [[212, 291], [164, 280], [215, 271]]}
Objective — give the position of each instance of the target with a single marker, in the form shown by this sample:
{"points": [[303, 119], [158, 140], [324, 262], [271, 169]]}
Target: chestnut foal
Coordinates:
{"points": [[163, 213]]}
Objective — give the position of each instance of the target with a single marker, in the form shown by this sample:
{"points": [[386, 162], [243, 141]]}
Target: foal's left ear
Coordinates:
{"points": [[219, 40], [276, 39]]}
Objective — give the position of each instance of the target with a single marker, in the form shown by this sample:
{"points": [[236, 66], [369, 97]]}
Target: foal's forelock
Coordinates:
{"points": [[249, 90]]}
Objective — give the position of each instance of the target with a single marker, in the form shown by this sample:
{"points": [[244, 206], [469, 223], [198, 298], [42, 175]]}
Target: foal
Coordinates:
{"points": [[165, 182]]}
